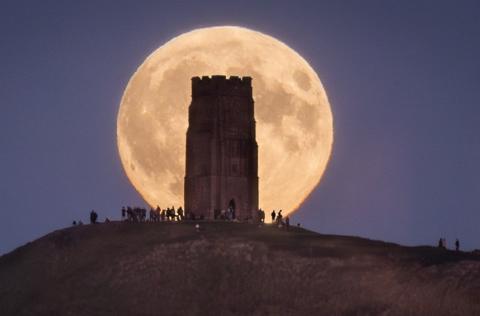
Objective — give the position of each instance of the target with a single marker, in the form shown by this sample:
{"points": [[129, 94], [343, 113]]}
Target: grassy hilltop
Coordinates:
{"points": [[231, 269]]}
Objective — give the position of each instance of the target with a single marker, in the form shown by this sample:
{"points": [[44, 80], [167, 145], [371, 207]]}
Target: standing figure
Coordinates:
{"points": [[93, 217], [180, 213], [440, 243], [279, 217], [273, 216], [457, 245], [261, 216]]}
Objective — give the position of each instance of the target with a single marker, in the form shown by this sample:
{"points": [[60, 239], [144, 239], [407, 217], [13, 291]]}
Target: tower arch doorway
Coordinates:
{"points": [[231, 208]]}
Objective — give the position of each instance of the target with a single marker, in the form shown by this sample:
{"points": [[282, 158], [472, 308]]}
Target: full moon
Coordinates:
{"points": [[292, 112]]}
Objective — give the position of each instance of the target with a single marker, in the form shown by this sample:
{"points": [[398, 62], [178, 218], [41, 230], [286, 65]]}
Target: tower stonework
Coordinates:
{"points": [[222, 152]]}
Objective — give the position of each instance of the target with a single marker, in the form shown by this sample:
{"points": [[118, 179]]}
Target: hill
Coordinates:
{"points": [[231, 269]]}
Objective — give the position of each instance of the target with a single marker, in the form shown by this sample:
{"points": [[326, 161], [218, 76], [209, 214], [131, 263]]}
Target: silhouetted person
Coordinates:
{"points": [[151, 215], [287, 222], [123, 213], [180, 213], [279, 217], [273, 216], [440, 243], [261, 216], [93, 217], [457, 245]]}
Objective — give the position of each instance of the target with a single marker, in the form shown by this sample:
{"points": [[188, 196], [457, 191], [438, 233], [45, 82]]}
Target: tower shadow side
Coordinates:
{"points": [[222, 153]]}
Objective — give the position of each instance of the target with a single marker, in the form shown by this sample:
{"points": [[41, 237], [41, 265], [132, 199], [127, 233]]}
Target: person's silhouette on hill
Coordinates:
{"points": [[180, 213], [93, 217], [457, 245], [273, 215], [261, 216], [440, 243], [279, 216]]}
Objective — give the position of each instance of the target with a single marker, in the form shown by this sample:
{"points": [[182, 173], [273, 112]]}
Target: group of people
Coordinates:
{"points": [[138, 214], [225, 215], [277, 218], [93, 219], [442, 243]]}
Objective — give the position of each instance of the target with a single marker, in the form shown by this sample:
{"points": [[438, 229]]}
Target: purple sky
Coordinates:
{"points": [[403, 78]]}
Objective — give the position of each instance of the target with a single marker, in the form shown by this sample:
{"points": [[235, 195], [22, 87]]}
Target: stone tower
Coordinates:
{"points": [[221, 163]]}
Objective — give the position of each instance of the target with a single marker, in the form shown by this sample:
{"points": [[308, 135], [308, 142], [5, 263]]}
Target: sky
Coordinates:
{"points": [[403, 79]]}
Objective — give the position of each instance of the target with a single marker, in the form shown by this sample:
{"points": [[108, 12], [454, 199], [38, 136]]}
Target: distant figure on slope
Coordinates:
{"points": [[441, 243], [279, 218], [273, 216], [124, 211], [457, 245], [74, 223], [180, 215], [287, 222], [93, 217], [158, 213], [261, 216]]}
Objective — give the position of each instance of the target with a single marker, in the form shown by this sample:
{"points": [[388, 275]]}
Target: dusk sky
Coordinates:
{"points": [[403, 79]]}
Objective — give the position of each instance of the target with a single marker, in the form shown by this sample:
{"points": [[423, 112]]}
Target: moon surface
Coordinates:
{"points": [[292, 111]]}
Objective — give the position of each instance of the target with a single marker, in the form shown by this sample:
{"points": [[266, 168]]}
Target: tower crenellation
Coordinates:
{"points": [[221, 85]]}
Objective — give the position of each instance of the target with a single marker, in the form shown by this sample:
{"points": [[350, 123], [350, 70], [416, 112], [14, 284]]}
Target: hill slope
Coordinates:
{"points": [[231, 269]]}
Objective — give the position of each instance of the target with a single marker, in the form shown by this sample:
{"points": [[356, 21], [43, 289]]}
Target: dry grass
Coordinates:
{"points": [[231, 269]]}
